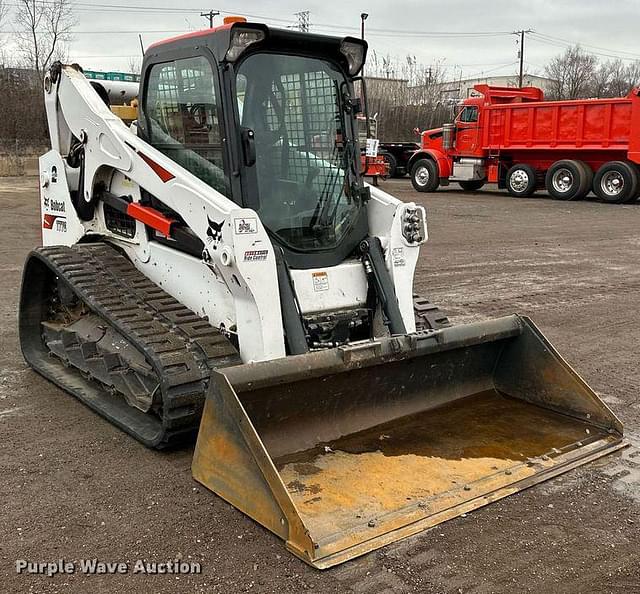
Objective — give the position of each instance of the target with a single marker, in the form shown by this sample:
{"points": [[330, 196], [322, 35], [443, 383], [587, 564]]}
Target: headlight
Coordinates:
{"points": [[241, 39], [354, 51], [414, 225]]}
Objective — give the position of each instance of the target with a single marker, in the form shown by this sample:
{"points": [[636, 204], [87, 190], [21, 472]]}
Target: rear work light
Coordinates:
{"points": [[241, 39], [354, 51]]}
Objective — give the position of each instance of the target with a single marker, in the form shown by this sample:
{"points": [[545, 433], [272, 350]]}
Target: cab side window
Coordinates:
{"points": [[469, 114], [182, 118]]}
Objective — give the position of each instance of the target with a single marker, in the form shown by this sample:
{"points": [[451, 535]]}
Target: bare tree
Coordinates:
{"points": [[633, 75], [405, 95], [577, 74], [572, 74], [615, 79], [44, 31], [619, 83], [135, 64], [4, 9]]}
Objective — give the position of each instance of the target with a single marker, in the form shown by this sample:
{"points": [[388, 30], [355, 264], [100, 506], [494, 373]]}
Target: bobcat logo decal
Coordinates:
{"points": [[214, 232]]}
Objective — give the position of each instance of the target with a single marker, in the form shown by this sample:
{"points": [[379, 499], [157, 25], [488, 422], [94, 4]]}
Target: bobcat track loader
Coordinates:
{"points": [[220, 264]]}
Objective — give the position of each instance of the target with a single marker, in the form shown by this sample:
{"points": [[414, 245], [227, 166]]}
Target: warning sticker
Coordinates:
{"points": [[320, 281], [255, 255], [244, 226], [398, 256]]}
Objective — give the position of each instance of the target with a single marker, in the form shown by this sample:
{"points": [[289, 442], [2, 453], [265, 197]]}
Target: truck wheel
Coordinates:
{"points": [[521, 180], [471, 185], [568, 180], [392, 162], [616, 182], [589, 177], [636, 195], [424, 175]]}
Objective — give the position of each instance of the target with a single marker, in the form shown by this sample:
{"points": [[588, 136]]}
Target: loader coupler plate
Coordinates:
{"points": [[340, 452]]}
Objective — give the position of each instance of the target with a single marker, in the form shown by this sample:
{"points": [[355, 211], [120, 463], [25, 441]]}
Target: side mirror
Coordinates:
{"points": [[362, 100], [247, 138]]}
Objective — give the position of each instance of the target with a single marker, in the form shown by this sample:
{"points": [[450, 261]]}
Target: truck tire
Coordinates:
{"points": [[568, 180], [392, 162], [521, 180], [589, 173], [472, 185], [636, 195], [616, 182], [424, 175]]}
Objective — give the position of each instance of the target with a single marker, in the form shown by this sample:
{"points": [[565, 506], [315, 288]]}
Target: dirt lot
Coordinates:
{"points": [[74, 487]]}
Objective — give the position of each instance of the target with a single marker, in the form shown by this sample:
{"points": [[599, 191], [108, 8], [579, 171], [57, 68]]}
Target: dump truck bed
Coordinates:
{"points": [[597, 124]]}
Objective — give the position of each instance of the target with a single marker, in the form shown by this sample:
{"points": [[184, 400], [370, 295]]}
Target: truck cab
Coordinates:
{"points": [[462, 137], [456, 151]]}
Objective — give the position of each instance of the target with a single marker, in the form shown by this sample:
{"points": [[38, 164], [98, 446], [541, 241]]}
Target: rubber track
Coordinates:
{"points": [[182, 347], [428, 316]]}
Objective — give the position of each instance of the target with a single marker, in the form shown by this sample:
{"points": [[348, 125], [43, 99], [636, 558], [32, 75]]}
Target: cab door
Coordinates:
{"points": [[181, 114], [468, 131]]}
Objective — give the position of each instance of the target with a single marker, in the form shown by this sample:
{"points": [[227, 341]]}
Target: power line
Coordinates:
{"points": [[136, 32], [381, 32], [84, 6], [437, 34], [482, 73], [565, 44], [331, 27], [303, 24], [106, 32], [491, 70], [482, 64], [90, 56], [585, 45], [534, 65]]}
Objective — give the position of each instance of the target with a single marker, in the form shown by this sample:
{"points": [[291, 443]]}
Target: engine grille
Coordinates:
{"points": [[118, 222]]}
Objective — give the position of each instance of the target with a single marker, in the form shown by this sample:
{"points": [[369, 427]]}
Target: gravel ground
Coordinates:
{"points": [[75, 487]]}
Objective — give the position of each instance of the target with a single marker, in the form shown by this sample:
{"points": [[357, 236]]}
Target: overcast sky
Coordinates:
{"points": [[106, 38]]}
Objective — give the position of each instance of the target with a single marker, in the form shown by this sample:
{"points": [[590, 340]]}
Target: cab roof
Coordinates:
{"points": [[217, 39]]}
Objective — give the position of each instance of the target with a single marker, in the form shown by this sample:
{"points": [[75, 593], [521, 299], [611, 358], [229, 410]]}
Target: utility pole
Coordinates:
{"points": [[209, 15], [521, 53], [303, 20]]}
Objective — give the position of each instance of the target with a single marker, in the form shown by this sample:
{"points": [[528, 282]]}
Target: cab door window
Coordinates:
{"points": [[181, 110], [469, 114]]}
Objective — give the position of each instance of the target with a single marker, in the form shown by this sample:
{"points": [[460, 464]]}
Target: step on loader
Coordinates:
{"points": [[219, 269]]}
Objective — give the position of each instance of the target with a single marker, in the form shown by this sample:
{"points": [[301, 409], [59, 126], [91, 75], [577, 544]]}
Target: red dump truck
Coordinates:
{"points": [[514, 138]]}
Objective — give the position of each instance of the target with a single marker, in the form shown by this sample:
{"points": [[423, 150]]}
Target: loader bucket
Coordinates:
{"points": [[342, 451]]}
